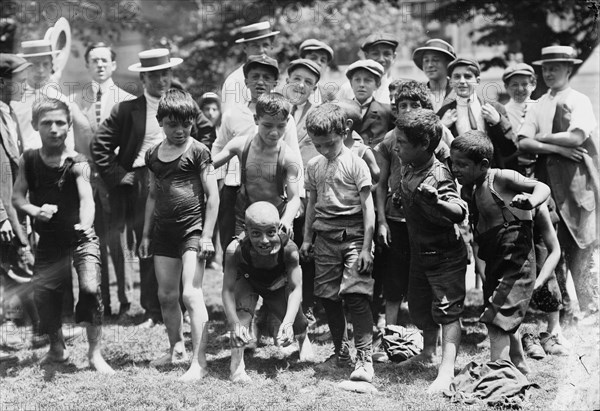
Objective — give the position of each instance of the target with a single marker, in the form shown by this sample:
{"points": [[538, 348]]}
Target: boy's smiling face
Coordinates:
{"points": [[271, 128], [434, 65], [364, 83], [329, 145], [556, 74], [464, 81], [519, 87], [382, 53], [465, 170], [264, 236], [318, 56], [301, 83], [53, 126]]}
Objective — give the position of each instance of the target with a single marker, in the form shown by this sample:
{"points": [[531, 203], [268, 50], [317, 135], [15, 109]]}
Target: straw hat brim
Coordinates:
{"points": [[44, 53], [244, 40], [418, 55], [174, 61], [565, 60]]}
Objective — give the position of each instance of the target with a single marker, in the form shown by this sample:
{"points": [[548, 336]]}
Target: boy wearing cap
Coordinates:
{"points": [[365, 77], [210, 105], [322, 54], [559, 129], [519, 82], [261, 73], [433, 59], [132, 127], [468, 112], [380, 47], [256, 39]]}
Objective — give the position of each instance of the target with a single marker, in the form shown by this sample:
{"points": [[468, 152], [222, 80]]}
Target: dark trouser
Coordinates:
{"points": [[362, 322], [109, 237], [52, 273], [584, 271], [128, 205], [308, 268], [227, 215]]}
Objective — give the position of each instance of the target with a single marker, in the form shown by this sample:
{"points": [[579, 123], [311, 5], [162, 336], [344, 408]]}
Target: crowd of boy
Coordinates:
{"points": [[321, 196]]}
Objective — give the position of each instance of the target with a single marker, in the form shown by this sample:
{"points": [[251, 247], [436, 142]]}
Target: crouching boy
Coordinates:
{"points": [[266, 264], [501, 204]]}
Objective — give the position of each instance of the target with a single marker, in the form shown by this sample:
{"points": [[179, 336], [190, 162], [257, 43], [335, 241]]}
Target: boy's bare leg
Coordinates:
{"points": [[392, 308], [238, 368], [94, 335], [167, 274], [450, 343], [427, 356], [58, 350], [193, 298], [499, 343], [517, 356]]}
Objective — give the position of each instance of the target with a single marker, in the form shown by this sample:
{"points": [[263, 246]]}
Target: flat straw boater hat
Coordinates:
{"points": [[155, 59], [256, 31], [438, 45], [565, 54], [37, 48]]}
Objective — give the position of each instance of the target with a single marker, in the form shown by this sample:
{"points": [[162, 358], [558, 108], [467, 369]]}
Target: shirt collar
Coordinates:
{"points": [[152, 101], [366, 103], [104, 87], [463, 101]]}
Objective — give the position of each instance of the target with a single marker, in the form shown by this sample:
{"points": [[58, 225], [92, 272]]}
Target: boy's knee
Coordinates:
{"points": [[168, 297], [192, 297]]}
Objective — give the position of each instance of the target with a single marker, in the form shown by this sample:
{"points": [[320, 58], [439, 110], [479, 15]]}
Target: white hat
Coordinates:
{"points": [[558, 54], [36, 48], [256, 31], [155, 59]]}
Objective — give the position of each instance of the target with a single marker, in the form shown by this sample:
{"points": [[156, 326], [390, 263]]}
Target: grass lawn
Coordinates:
{"points": [[279, 382]]}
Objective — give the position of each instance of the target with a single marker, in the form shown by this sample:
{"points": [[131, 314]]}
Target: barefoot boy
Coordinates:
{"points": [[503, 231], [180, 222], [61, 203], [266, 264], [340, 211], [269, 168], [438, 261]]}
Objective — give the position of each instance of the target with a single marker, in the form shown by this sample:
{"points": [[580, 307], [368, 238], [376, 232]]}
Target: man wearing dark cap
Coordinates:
{"points": [[132, 128], [256, 39], [468, 112], [260, 76], [380, 47], [433, 59]]}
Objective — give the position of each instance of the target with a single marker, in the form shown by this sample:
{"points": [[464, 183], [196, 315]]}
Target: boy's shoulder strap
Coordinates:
{"points": [[30, 158], [244, 159]]}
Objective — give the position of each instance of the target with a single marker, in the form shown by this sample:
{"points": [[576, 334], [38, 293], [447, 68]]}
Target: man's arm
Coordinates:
{"points": [[104, 143]]}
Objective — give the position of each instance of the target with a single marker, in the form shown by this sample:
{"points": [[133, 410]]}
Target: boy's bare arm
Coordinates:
{"points": [[211, 190], [232, 148], [544, 225], [86, 195], [383, 231], [518, 183], [294, 275], [19, 195], [369, 158], [144, 248], [229, 279], [365, 258], [293, 169], [308, 224]]}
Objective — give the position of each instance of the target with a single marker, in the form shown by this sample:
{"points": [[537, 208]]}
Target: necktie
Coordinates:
{"points": [[98, 106], [472, 121]]}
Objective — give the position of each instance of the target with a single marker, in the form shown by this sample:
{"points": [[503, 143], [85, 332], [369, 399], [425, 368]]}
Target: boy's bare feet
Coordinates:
{"points": [[306, 351], [422, 358], [98, 363], [441, 383], [172, 358], [194, 373], [55, 356], [240, 377]]}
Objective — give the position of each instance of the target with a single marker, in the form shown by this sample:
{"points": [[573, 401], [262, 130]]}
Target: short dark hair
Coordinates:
{"points": [[415, 91], [272, 104], [421, 125], [326, 119], [45, 104], [98, 45], [351, 111], [177, 104], [474, 144]]}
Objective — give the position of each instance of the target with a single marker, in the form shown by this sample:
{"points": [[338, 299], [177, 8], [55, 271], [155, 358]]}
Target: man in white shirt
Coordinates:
{"points": [[256, 39], [380, 47], [96, 100]]}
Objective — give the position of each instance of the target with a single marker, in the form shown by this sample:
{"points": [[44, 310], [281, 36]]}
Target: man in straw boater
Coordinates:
{"points": [[132, 128], [560, 129], [40, 83], [256, 39]]}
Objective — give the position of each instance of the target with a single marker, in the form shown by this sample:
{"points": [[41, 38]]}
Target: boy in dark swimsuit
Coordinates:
{"points": [[61, 204], [263, 264]]}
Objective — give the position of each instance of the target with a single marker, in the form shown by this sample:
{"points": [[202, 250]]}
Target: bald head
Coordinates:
{"points": [[262, 213]]}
